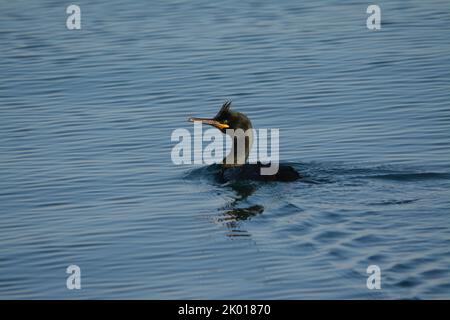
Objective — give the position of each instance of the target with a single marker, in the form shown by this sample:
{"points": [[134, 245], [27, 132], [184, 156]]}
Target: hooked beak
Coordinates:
{"points": [[211, 122]]}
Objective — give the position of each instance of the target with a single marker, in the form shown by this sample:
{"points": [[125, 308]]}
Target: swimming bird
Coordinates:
{"points": [[234, 166]]}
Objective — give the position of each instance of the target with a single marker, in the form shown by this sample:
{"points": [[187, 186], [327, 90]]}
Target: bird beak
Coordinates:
{"points": [[211, 122]]}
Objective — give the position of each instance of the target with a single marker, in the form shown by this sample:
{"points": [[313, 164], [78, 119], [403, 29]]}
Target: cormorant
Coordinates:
{"points": [[234, 166]]}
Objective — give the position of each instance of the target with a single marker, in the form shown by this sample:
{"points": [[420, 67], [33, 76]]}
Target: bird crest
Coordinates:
{"points": [[224, 109]]}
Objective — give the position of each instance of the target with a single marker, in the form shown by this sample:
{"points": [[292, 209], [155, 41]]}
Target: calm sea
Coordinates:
{"points": [[86, 176]]}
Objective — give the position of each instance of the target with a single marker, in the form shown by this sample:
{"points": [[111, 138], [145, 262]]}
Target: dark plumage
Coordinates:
{"points": [[253, 172], [237, 168]]}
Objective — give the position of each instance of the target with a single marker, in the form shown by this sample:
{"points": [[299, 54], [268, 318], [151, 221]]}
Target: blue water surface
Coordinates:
{"points": [[86, 176]]}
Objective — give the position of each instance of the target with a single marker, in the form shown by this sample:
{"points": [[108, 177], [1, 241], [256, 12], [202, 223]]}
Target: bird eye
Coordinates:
{"points": [[225, 121]]}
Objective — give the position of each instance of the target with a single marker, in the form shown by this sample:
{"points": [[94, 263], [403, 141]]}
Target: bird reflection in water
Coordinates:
{"points": [[233, 214]]}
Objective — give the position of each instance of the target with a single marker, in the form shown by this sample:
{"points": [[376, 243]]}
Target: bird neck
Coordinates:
{"points": [[242, 141]]}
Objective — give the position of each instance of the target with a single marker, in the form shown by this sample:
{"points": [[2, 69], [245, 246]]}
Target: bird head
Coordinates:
{"points": [[226, 119]]}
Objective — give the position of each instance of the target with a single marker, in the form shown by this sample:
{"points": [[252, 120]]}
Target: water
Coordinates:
{"points": [[86, 176]]}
